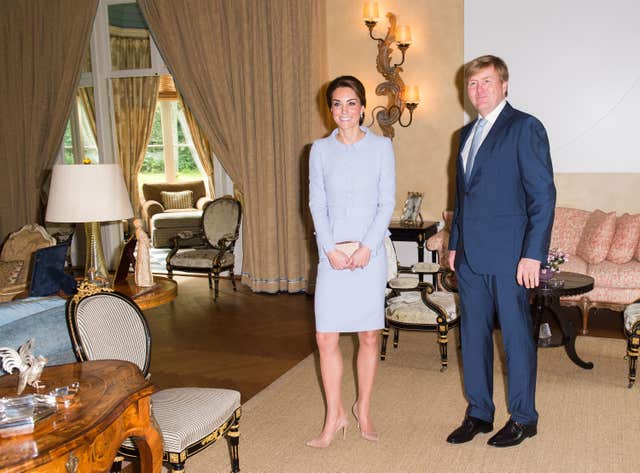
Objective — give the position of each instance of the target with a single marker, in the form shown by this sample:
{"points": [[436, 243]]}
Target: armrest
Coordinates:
{"points": [[202, 201], [149, 209]]}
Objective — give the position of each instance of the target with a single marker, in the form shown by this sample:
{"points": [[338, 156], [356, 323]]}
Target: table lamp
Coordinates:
{"points": [[89, 194]]}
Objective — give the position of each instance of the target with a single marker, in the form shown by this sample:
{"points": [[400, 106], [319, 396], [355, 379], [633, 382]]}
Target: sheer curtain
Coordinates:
{"points": [[250, 72], [41, 50], [202, 146], [134, 105]]}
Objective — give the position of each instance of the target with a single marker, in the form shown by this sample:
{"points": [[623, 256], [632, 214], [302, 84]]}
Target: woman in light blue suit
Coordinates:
{"points": [[351, 197]]}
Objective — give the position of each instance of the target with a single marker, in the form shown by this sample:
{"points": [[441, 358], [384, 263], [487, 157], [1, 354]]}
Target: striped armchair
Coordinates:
{"points": [[108, 325]]}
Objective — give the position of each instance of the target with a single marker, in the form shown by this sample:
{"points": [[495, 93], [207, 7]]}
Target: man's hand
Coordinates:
{"points": [[338, 260], [452, 260], [528, 273], [360, 257]]}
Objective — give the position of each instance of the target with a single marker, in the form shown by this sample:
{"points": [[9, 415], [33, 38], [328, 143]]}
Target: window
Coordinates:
{"points": [[171, 155], [79, 142]]}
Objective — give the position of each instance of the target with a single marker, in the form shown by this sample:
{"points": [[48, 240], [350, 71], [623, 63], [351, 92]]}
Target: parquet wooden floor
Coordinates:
{"points": [[243, 341]]}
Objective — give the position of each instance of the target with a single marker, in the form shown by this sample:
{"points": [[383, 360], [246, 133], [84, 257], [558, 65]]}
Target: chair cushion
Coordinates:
{"points": [[625, 239], [178, 219], [185, 416], [631, 316], [408, 307], [596, 237], [10, 272], [177, 200], [406, 282], [199, 258]]}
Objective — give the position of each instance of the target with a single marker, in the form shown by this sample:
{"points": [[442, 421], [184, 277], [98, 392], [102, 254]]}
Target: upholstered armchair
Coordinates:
{"points": [[218, 234], [414, 305], [16, 259], [170, 208]]}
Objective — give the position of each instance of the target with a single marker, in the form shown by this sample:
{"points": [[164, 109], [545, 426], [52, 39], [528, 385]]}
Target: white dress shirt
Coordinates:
{"points": [[491, 119]]}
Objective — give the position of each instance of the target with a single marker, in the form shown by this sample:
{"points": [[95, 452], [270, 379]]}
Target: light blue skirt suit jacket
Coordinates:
{"points": [[351, 197]]}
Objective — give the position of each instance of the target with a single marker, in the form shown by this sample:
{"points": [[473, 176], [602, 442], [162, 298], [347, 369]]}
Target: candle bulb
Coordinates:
{"points": [[412, 94], [371, 11], [403, 35]]}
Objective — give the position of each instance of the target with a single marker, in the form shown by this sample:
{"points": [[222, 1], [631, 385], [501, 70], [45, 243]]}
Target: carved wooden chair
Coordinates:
{"points": [[422, 306], [16, 259], [632, 330], [220, 231], [108, 325]]}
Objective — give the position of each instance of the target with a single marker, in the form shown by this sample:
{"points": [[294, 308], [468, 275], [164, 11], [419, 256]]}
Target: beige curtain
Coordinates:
{"points": [[202, 146], [41, 49], [134, 104], [250, 72]]}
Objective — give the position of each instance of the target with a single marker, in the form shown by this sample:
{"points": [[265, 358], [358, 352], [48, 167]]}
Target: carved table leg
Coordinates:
{"points": [[569, 336]]}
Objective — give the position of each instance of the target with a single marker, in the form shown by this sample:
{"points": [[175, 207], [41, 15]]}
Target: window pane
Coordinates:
{"points": [[187, 168]]}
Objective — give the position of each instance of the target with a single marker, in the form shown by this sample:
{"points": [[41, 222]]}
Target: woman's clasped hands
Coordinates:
{"points": [[340, 260]]}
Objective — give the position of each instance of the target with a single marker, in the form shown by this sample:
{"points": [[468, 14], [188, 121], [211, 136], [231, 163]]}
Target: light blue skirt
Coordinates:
{"points": [[351, 301]]}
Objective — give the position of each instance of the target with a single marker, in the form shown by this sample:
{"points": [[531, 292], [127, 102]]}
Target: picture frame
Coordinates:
{"points": [[127, 260], [411, 211]]}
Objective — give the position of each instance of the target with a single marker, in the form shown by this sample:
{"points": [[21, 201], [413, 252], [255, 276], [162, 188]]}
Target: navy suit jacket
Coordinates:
{"points": [[505, 211]]}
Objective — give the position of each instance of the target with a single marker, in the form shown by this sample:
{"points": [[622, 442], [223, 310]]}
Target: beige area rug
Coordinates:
{"points": [[589, 420]]}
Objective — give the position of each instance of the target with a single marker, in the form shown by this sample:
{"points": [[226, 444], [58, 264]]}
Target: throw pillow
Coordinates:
{"points": [[177, 200], [597, 236], [48, 272], [10, 272], [625, 240]]}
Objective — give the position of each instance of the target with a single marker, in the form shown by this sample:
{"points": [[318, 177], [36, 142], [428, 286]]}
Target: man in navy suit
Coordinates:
{"points": [[502, 221]]}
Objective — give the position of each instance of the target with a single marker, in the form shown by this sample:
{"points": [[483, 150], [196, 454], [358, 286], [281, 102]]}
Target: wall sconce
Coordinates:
{"points": [[400, 96]]}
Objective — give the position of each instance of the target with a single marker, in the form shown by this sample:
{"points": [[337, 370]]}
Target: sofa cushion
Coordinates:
{"points": [[625, 240], [10, 272], [177, 200], [608, 274], [615, 295], [568, 225], [597, 237]]}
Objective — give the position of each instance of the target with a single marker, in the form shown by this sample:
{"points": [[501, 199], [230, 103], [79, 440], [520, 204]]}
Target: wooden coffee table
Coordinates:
{"points": [[165, 290], [547, 296], [113, 403]]}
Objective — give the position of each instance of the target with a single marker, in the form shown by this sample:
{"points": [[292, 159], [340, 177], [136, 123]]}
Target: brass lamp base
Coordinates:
{"points": [[95, 268]]}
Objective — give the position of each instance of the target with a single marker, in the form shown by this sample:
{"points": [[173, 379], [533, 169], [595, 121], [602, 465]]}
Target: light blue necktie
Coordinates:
{"points": [[475, 144]]}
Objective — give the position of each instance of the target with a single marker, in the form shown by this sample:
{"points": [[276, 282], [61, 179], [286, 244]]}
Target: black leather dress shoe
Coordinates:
{"points": [[512, 434], [469, 428]]}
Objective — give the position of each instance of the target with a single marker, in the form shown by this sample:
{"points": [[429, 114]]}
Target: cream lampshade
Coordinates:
{"points": [[89, 194]]}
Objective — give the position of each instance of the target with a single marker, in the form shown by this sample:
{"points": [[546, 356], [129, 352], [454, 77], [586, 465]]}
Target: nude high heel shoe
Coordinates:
{"points": [[324, 443], [370, 436]]}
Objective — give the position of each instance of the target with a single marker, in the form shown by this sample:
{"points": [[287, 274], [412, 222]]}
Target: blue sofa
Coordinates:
{"points": [[40, 318]]}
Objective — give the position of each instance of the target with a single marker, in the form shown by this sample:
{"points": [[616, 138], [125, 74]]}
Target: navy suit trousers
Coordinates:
{"points": [[482, 296]]}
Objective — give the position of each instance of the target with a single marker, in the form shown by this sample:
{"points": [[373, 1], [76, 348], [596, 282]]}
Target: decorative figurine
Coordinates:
{"points": [[143, 276], [29, 366]]}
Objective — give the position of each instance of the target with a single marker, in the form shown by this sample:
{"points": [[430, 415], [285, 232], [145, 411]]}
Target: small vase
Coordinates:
{"points": [[546, 274]]}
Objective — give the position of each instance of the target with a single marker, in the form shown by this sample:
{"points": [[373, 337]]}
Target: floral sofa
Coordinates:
{"points": [[600, 244]]}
